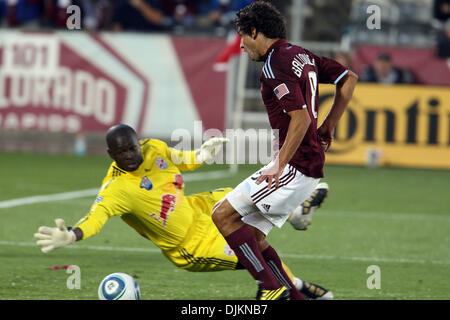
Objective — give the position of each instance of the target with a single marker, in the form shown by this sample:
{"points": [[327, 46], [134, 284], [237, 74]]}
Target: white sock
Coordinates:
{"points": [[298, 283]]}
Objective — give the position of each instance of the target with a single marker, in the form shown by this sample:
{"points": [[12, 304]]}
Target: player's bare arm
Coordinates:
{"points": [[298, 125], [343, 95]]}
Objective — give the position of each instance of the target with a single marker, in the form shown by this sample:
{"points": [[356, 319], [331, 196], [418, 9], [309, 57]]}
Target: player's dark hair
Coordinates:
{"points": [[116, 131], [263, 17]]}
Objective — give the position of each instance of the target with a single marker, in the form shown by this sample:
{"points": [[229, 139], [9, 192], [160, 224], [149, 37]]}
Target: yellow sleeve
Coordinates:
{"points": [[108, 203], [93, 222], [183, 160]]}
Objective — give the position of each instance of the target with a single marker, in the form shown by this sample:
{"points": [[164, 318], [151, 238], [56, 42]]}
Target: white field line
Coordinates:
{"points": [[382, 294], [92, 192], [386, 215], [76, 246], [366, 259], [285, 255], [47, 198]]}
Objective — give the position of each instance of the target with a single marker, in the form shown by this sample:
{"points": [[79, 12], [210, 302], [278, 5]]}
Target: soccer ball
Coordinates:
{"points": [[119, 286]]}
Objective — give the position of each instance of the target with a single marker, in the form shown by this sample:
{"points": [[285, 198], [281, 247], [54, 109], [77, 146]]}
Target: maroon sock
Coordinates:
{"points": [[274, 263], [244, 245]]}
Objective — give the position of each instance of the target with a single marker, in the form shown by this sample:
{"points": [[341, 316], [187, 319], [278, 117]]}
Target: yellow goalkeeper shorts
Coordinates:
{"points": [[204, 248]]}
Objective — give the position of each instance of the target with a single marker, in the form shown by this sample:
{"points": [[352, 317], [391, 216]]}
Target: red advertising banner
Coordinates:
{"points": [[72, 82], [47, 86], [206, 85]]}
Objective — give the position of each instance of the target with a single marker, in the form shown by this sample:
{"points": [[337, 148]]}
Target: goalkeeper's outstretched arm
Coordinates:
{"points": [[191, 160], [59, 237], [50, 238], [210, 149]]}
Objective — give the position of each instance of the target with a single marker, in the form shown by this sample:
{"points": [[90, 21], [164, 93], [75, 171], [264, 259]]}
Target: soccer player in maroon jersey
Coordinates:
{"points": [[289, 89]]}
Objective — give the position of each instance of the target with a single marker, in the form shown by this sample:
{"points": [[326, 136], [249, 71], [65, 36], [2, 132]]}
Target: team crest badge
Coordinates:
{"points": [[146, 184], [161, 163]]}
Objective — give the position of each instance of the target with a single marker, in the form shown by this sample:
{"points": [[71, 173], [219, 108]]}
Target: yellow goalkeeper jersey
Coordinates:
{"points": [[152, 196]]}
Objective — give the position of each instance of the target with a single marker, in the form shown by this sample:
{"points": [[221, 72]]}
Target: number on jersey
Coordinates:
{"points": [[312, 76]]}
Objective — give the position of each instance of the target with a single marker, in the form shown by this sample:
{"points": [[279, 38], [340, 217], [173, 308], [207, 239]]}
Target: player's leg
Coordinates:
{"points": [[310, 290], [301, 217], [216, 254], [261, 227], [243, 242], [262, 208], [232, 214]]}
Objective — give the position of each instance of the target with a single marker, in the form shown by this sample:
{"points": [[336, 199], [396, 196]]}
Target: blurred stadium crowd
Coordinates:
{"points": [[131, 15], [411, 23]]}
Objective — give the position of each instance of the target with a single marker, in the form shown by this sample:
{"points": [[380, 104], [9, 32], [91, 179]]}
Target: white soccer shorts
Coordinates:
{"points": [[263, 208]]}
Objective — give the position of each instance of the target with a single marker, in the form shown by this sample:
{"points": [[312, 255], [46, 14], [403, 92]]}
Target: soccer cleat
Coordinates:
{"points": [[301, 217], [313, 291], [277, 294]]}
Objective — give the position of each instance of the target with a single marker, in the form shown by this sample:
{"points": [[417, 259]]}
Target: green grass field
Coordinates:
{"points": [[397, 219]]}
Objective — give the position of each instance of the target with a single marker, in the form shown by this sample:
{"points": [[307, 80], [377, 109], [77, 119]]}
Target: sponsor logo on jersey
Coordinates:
{"points": [[168, 203], [146, 184], [98, 199], [228, 251], [161, 163], [266, 207]]}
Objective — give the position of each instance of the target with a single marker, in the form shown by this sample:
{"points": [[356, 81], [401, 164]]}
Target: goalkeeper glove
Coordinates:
{"points": [[52, 238], [209, 149]]}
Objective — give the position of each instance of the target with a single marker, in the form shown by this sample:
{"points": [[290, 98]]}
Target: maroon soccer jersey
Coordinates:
{"points": [[289, 81]]}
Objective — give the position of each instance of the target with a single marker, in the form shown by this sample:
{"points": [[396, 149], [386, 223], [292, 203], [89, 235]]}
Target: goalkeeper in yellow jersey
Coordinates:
{"points": [[145, 188]]}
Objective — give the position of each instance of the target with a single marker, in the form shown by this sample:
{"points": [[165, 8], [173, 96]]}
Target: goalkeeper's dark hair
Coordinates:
{"points": [[118, 130], [263, 17]]}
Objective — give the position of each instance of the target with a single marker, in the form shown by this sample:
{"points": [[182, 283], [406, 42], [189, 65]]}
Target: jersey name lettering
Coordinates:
{"points": [[299, 62]]}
